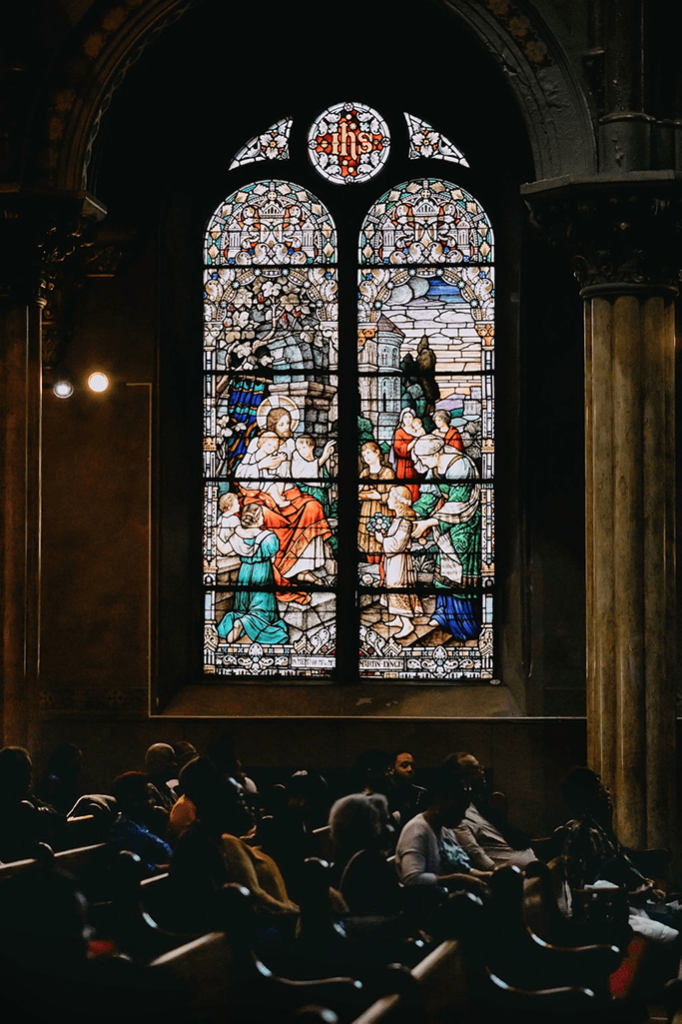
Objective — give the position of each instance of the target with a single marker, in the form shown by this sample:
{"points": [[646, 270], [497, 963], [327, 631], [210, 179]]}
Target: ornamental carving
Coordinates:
{"points": [[621, 236]]}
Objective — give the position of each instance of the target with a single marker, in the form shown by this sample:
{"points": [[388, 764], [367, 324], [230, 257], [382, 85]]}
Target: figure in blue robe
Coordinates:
{"points": [[255, 612]]}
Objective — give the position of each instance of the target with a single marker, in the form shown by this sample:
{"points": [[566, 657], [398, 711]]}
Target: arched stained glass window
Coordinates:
{"points": [[425, 492], [422, 457], [271, 392]]}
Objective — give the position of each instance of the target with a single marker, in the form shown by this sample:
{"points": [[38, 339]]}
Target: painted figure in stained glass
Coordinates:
{"points": [[373, 507], [443, 426], [228, 521], [426, 356], [255, 611], [453, 512], [398, 570], [298, 519], [409, 429]]}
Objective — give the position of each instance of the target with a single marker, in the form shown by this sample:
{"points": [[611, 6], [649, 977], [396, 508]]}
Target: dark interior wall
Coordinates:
{"points": [[187, 114]]}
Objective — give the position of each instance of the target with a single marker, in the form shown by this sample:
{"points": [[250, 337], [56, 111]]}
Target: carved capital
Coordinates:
{"points": [[622, 236]]}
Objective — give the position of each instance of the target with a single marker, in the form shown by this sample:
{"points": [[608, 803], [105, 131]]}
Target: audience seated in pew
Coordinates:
{"points": [[161, 766], [286, 833], [362, 835], [405, 799], [212, 852], [218, 846], [130, 830], [484, 832], [60, 785], [25, 819]]}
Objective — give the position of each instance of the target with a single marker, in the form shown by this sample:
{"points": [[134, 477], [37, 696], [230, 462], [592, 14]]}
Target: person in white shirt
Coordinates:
{"points": [[483, 832], [427, 853]]}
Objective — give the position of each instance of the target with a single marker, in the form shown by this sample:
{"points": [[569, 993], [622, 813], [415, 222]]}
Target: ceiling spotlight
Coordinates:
{"points": [[98, 381], [63, 389]]}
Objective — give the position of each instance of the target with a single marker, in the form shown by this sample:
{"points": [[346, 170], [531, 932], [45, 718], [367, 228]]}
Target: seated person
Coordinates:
{"points": [[427, 853], [26, 820], [211, 852], [484, 832], [591, 847], [404, 798], [134, 802], [361, 833]]}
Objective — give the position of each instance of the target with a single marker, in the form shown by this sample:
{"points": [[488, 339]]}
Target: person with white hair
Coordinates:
{"points": [[452, 511], [361, 834]]}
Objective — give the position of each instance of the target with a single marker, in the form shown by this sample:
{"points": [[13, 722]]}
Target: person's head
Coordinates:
{"points": [[229, 503], [268, 442], [218, 799], [584, 793], [406, 417], [15, 773], [160, 762], [373, 768], [305, 446], [370, 453], [184, 752], [133, 795], [417, 425], [252, 515], [279, 420], [403, 767], [307, 793], [399, 500], [442, 418], [448, 799], [468, 770], [358, 821], [426, 451]]}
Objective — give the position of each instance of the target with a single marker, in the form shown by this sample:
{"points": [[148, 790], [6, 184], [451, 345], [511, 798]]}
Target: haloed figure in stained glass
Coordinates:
{"points": [[297, 518], [255, 611]]}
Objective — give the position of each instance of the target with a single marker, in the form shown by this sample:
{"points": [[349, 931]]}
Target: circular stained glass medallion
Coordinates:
{"points": [[349, 142]]}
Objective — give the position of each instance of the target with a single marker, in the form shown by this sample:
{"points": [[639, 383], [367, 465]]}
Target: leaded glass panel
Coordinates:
{"points": [[349, 142], [427, 143], [427, 221], [270, 223], [426, 464], [270, 428], [272, 144]]}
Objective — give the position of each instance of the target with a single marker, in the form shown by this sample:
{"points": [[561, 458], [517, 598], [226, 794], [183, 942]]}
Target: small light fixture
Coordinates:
{"points": [[63, 388], [98, 381]]}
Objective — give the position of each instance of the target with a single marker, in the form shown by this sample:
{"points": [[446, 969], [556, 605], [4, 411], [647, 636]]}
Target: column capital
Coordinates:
{"points": [[39, 232], [622, 234]]}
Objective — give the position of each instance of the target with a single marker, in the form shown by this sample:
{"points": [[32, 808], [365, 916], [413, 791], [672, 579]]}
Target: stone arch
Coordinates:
{"points": [[112, 37]]}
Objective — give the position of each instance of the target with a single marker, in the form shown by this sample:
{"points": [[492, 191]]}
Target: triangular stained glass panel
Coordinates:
{"points": [[427, 143], [272, 144]]}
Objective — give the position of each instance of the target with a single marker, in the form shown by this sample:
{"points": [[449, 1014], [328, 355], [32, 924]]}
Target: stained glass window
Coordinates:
{"points": [[425, 447], [271, 393], [422, 458], [427, 143], [349, 142], [272, 144]]}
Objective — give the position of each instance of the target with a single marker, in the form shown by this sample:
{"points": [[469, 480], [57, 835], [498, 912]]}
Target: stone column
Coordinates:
{"points": [[622, 238]]}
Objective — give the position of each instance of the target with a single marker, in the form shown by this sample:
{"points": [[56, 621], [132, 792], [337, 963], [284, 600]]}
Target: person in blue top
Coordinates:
{"points": [[255, 611]]}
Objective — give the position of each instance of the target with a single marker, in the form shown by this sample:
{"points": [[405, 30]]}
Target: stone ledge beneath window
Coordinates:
{"points": [[259, 700]]}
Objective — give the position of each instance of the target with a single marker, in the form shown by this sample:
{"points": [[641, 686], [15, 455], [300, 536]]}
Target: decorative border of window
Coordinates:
{"points": [[273, 223], [273, 144], [348, 142], [428, 221], [427, 143]]}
